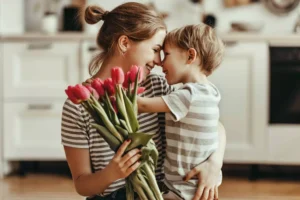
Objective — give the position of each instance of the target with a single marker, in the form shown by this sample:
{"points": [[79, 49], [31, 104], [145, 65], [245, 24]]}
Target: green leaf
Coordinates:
{"points": [[124, 125], [122, 108], [128, 90], [138, 140], [111, 110], [123, 131], [107, 122], [107, 110], [153, 153], [131, 113], [111, 140], [134, 95], [87, 105]]}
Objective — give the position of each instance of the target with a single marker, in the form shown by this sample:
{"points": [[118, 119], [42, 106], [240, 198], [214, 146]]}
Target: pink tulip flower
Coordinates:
{"points": [[69, 91], [81, 92], [93, 91], [117, 75], [109, 86], [126, 81], [133, 72], [98, 85]]}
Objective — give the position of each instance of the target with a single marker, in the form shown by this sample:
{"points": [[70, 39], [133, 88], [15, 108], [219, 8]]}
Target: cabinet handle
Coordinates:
{"points": [[92, 49], [230, 43], [39, 107], [42, 46]]}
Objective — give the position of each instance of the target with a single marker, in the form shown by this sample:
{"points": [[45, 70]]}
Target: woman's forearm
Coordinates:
{"points": [[218, 155], [94, 183]]}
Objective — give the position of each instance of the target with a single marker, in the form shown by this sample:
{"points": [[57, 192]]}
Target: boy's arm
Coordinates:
{"points": [[152, 105]]}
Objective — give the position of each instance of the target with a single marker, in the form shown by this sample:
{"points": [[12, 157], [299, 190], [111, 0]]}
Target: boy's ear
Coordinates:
{"points": [[123, 44], [192, 55]]}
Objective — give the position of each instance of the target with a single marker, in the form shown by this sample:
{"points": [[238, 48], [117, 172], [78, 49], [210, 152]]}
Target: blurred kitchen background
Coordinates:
{"points": [[44, 47]]}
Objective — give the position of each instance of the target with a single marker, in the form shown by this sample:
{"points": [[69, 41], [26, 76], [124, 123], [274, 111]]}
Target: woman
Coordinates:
{"points": [[131, 34]]}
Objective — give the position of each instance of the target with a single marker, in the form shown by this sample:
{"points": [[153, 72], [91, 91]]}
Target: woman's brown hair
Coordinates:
{"points": [[204, 40], [137, 21]]}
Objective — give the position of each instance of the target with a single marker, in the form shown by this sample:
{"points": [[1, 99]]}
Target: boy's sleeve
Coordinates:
{"points": [[179, 102]]}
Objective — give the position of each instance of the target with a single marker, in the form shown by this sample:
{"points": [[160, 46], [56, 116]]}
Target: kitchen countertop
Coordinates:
{"points": [[273, 39], [40, 36]]}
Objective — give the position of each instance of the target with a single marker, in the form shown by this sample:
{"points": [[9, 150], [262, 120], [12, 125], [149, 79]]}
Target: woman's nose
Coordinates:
{"points": [[157, 60], [158, 63]]}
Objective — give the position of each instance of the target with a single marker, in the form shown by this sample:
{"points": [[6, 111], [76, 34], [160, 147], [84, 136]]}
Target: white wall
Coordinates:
{"points": [[11, 16], [253, 12]]}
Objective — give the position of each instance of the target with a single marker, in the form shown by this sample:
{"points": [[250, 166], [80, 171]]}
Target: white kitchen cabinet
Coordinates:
{"points": [[39, 69], [32, 131], [242, 79], [1, 113]]}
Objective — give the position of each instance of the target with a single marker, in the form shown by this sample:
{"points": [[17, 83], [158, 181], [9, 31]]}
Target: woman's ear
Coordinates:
{"points": [[192, 55], [123, 44]]}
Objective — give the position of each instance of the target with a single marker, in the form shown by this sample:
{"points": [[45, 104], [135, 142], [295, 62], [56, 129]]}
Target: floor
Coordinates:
{"points": [[37, 186]]}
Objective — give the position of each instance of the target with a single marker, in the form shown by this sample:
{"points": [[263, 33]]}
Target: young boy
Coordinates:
{"points": [[192, 115]]}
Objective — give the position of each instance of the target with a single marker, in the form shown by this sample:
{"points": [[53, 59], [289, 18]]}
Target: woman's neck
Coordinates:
{"points": [[105, 69]]}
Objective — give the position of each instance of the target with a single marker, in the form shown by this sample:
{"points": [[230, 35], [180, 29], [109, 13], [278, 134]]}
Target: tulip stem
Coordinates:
{"points": [[152, 181], [146, 187], [105, 119], [125, 115], [111, 110], [134, 94]]}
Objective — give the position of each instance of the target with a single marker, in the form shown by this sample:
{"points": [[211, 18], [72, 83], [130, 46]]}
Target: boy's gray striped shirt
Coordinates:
{"points": [[191, 132]]}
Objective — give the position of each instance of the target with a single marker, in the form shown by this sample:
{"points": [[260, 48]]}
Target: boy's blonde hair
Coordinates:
{"points": [[204, 40]]}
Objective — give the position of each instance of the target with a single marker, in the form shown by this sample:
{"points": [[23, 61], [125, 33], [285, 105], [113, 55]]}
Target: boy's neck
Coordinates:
{"points": [[194, 75]]}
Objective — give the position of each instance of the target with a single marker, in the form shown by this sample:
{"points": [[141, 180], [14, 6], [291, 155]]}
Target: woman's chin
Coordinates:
{"points": [[146, 72]]}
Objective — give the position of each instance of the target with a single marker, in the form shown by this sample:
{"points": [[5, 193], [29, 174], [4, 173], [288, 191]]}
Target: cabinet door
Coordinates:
{"points": [[32, 131], [242, 79], [1, 110], [40, 69]]}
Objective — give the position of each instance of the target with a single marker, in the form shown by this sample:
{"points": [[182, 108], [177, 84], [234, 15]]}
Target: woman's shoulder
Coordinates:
{"points": [[74, 110], [154, 78]]}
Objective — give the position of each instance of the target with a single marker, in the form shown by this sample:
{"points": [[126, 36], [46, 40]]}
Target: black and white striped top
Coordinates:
{"points": [[76, 130]]}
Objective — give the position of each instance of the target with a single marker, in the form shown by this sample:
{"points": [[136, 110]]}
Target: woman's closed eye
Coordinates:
{"points": [[156, 50]]}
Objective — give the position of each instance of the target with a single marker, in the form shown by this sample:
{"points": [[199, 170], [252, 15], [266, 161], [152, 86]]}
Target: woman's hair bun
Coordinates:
{"points": [[93, 14]]}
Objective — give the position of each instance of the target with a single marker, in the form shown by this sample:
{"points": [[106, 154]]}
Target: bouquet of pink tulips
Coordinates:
{"points": [[113, 105]]}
